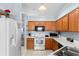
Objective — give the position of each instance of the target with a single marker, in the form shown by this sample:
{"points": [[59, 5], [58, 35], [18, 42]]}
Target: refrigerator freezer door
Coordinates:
{"points": [[14, 45]]}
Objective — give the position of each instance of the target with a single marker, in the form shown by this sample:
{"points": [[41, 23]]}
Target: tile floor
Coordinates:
{"points": [[35, 52]]}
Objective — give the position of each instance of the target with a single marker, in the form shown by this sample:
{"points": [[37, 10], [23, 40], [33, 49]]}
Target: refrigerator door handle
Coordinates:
{"points": [[12, 40]]}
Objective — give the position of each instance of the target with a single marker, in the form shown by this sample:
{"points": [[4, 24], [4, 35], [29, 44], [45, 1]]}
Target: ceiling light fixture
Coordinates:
{"points": [[42, 8]]}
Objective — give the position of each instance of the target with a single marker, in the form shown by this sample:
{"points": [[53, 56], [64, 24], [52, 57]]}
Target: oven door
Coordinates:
{"points": [[40, 42]]}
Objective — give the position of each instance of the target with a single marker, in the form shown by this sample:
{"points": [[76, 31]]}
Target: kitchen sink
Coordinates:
{"points": [[67, 51]]}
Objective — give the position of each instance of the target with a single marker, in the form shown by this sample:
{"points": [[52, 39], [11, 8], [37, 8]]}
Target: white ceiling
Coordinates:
{"points": [[53, 9]]}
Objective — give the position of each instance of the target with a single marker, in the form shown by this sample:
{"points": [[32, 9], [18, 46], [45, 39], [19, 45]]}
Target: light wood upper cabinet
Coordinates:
{"points": [[62, 24], [57, 29], [65, 23], [31, 25], [59, 25], [74, 21], [69, 23], [53, 27], [49, 25]]}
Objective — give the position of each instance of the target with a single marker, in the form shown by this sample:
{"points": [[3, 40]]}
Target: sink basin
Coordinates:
{"points": [[67, 51]]}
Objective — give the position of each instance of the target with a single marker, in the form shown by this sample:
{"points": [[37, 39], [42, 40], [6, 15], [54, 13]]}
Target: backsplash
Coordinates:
{"points": [[74, 35], [44, 33]]}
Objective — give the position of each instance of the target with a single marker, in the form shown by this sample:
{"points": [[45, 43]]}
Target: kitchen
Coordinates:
{"points": [[44, 29], [49, 34]]}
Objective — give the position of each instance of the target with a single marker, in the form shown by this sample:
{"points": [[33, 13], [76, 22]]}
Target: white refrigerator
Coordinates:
{"points": [[10, 44]]}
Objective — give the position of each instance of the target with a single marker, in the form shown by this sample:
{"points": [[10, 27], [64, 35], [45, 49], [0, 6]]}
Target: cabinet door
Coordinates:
{"points": [[57, 29], [48, 25], [48, 44], [55, 45], [30, 43], [39, 23], [65, 23], [31, 25], [74, 20], [53, 26], [59, 25], [51, 44]]}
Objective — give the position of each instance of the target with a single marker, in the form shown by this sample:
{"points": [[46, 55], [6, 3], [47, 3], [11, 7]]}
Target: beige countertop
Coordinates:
{"points": [[62, 40]]}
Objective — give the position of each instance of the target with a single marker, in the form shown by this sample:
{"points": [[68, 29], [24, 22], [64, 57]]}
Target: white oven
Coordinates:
{"points": [[39, 39], [39, 42]]}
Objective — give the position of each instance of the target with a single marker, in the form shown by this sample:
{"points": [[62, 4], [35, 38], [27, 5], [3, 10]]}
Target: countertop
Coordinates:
{"points": [[62, 40]]}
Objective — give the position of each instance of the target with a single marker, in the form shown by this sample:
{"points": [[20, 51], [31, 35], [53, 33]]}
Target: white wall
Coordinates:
{"points": [[38, 17], [41, 18], [14, 7], [31, 9]]}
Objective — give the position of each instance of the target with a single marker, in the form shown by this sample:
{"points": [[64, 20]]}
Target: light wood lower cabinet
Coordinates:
{"points": [[30, 43], [51, 44], [55, 45], [48, 44]]}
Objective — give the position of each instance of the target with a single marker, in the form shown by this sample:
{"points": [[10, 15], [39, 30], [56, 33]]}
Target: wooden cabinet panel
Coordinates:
{"points": [[30, 43], [49, 25], [48, 44], [51, 44], [74, 20], [65, 23], [55, 45], [57, 29], [62, 24], [59, 25], [31, 25], [53, 27]]}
